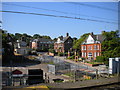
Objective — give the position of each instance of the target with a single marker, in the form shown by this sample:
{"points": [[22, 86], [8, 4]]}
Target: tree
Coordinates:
{"points": [[111, 44], [74, 38], [110, 47], [55, 39], [77, 43], [46, 37], [36, 36], [17, 36]]}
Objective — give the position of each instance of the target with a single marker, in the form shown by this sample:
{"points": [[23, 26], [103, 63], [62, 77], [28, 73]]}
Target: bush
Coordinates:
{"points": [[102, 59], [83, 58], [52, 50], [66, 53], [60, 54], [72, 57]]}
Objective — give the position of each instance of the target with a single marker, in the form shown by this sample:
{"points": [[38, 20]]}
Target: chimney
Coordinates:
{"points": [[91, 33], [67, 34], [103, 32]]}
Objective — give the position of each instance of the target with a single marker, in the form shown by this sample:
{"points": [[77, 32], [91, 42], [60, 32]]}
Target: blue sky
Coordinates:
{"points": [[54, 27]]}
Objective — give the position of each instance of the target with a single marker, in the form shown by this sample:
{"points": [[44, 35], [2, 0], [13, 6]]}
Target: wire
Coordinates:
{"points": [[59, 16], [93, 6], [58, 11]]}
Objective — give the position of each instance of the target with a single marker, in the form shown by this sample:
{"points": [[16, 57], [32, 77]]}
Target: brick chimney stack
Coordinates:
{"points": [[103, 32], [91, 33], [67, 34]]}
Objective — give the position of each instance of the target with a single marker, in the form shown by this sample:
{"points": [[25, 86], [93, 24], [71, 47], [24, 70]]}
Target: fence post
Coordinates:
{"points": [[96, 73]]}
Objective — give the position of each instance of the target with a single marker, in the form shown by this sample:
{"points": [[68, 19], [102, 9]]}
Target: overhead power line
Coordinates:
{"points": [[58, 11], [59, 16], [93, 6]]}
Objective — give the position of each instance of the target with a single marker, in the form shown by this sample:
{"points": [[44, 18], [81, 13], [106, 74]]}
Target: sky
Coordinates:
{"points": [[56, 26]]}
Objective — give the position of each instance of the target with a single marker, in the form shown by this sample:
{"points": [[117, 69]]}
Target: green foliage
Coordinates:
{"points": [[71, 74], [71, 57], [35, 36], [110, 47], [52, 50], [55, 39], [25, 37], [77, 43], [46, 37], [51, 46], [101, 58], [83, 58], [60, 54]]}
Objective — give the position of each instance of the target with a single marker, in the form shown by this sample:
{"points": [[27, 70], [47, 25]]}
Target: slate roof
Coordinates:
{"points": [[63, 39], [98, 37], [43, 40]]}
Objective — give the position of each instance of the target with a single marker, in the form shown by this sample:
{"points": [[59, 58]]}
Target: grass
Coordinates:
{"points": [[50, 63], [69, 74], [94, 62], [50, 86]]}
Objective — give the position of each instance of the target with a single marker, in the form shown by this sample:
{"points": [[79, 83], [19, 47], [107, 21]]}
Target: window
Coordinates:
{"points": [[83, 54], [98, 54], [84, 47], [94, 54], [96, 47], [89, 54], [89, 47]]}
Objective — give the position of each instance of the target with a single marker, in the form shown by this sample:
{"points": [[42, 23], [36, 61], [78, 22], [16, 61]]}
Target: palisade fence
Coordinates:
{"points": [[61, 67], [56, 67], [34, 77]]}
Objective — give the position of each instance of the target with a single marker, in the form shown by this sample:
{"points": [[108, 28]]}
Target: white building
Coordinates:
{"points": [[114, 65], [21, 47]]}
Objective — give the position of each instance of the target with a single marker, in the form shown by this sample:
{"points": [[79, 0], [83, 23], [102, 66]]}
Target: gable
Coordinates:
{"points": [[90, 40], [16, 72], [69, 39]]}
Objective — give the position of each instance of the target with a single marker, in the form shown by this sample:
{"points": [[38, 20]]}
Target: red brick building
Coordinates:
{"points": [[91, 47], [63, 44], [41, 44]]}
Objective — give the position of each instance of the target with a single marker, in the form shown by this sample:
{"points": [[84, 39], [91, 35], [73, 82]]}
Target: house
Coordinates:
{"points": [[91, 47], [41, 44], [63, 44], [21, 47]]}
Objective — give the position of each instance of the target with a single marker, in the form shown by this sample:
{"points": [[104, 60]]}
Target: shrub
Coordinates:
{"points": [[60, 54], [102, 59], [52, 50], [71, 57]]}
